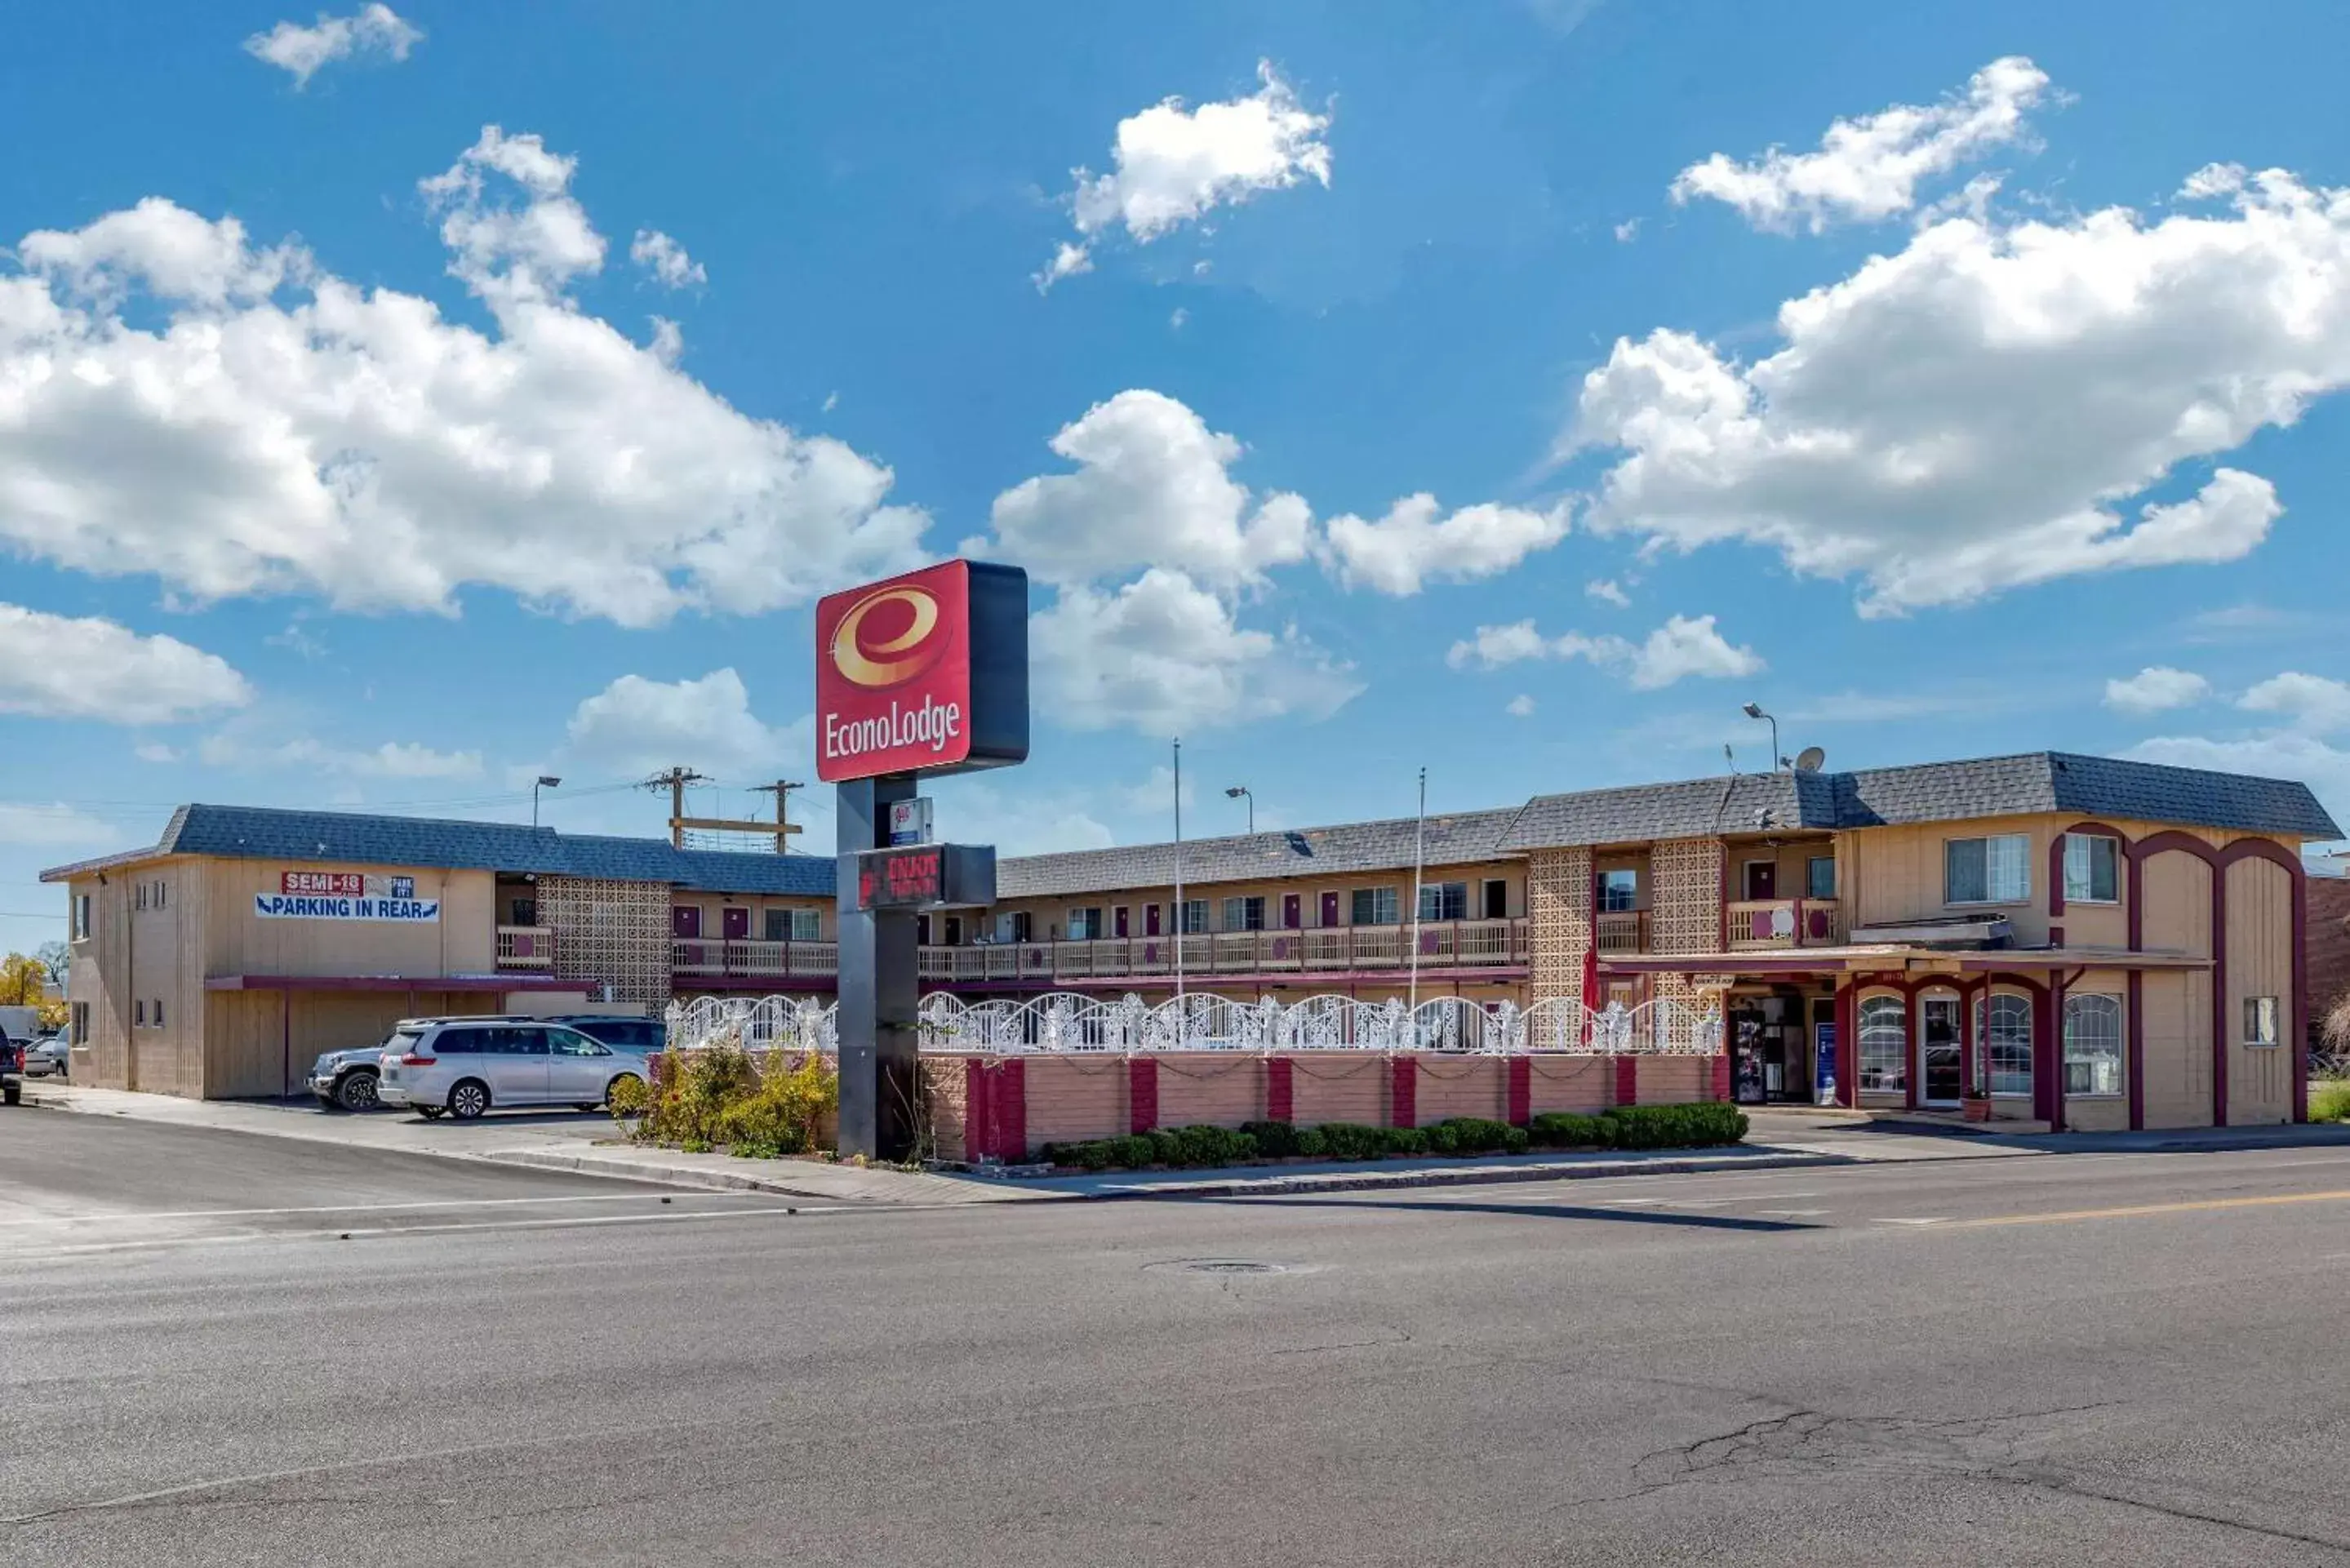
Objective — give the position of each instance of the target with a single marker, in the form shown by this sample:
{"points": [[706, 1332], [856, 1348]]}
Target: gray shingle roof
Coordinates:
{"points": [[264, 833], [1452, 840], [2082, 785]]}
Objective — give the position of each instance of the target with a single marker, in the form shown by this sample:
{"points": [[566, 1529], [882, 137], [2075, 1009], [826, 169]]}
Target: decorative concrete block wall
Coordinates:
{"points": [[610, 932], [1685, 907], [1558, 921]]}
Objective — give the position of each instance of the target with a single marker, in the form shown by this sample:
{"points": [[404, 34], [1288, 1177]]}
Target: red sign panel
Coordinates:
{"points": [[893, 676], [901, 879], [332, 884]]}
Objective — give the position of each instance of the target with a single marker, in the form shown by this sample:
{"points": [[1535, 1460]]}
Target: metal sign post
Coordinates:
{"points": [[921, 675]]}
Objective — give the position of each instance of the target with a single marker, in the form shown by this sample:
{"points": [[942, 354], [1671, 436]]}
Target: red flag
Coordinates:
{"points": [[1590, 984]]}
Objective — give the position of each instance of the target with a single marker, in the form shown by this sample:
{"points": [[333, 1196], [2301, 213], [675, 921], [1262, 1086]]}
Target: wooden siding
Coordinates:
{"points": [[250, 1051], [2260, 963], [1051, 915], [462, 942], [2177, 897]]}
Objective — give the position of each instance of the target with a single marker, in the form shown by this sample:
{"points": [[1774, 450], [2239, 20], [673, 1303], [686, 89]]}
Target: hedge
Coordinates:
{"points": [[1628, 1126]]}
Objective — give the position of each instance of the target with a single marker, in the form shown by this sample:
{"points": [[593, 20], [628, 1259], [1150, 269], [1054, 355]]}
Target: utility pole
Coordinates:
{"points": [[676, 779], [1178, 911], [1419, 862], [782, 790]]}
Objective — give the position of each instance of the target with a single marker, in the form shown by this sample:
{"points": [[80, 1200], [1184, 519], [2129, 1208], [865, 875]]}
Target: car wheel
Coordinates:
{"points": [[469, 1099], [356, 1091], [429, 1112]]}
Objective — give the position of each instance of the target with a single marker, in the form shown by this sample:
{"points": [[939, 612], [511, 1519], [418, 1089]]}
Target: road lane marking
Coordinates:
{"points": [[378, 1208], [2195, 1206], [1792, 1213], [1901, 1220]]}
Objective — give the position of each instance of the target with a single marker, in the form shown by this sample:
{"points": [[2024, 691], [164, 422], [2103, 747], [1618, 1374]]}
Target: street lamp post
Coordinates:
{"points": [[1240, 792], [544, 781], [1755, 710]]}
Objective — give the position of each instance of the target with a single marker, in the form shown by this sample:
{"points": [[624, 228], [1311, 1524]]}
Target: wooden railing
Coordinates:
{"points": [[1620, 930], [1327, 950], [526, 946], [1755, 924]]}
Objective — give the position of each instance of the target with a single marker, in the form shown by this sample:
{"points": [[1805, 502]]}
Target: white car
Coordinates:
{"points": [[468, 1065], [48, 1058]]}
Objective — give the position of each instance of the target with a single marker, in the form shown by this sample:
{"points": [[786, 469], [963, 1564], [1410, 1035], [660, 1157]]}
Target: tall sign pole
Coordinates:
{"points": [[923, 674], [1418, 865], [1178, 911]]}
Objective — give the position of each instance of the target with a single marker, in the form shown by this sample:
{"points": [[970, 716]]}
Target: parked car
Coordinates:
{"points": [[11, 1071], [642, 1036], [466, 1067], [345, 1080], [48, 1057]]}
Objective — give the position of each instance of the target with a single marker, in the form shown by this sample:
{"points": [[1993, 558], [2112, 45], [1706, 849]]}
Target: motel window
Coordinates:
{"points": [[81, 918], [1819, 876], [2093, 1044], [1619, 891], [1884, 1045], [526, 912], [138, 897], [1084, 925], [162, 894], [953, 925], [2093, 868], [1374, 906], [1497, 898], [1244, 914], [807, 926], [2261, 1020], [778, 925], [139, 1013], [1994, 871], [2004, 1025], [155, 1014], [1194, 921], [80, 1017], [1444, 901]]}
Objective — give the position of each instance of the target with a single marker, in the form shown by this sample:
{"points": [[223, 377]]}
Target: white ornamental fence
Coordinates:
{"points": [[1066, 1022]]}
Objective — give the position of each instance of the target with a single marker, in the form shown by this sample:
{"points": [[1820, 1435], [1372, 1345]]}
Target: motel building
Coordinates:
{"points": [[2077, 942]]}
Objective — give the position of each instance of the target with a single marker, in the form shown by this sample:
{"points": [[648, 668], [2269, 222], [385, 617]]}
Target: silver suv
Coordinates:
{"points": [[466, 1065]]}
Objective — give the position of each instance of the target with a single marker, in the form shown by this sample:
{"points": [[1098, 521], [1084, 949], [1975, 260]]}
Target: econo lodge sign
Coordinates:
{"points": [[924, 673]]}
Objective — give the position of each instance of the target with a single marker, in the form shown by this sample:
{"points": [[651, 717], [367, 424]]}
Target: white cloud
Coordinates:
{"points": [[1164, 655], [301, 51], [2284, 756], [1683, 647], [353, 443], [56, 667], [1154, 795], [636, 725], [1869, 168], [666, 260], [1627, 230], [1152, 488], [1170, 165], [1607, 591], [1413, 546], [2213, 180], [1979, 411], [1019, 820], [2156, 688], [391, 760], [155, 752], [54, 824], [2310, 704], [1520, 707]]}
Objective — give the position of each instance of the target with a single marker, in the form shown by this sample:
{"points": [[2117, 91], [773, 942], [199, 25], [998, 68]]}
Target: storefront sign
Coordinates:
{"points": [[926, 877], [925, 673], [345, 883], [344, 906]]}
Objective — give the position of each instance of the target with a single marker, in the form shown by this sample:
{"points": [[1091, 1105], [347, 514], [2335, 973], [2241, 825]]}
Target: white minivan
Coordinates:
{"points": [[467, 1065]]}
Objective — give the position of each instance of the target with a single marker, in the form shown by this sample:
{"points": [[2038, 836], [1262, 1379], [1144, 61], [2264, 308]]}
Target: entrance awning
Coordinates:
{"points": [[1880, 958], [394, 983]]}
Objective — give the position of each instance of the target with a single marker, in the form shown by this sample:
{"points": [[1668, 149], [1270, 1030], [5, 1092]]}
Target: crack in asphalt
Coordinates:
{"points": [[1989, 1449]]}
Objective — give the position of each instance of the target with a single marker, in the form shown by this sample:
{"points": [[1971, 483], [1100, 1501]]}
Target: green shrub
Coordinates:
{"points": [[1566, 1129], [1351, 1140], [1699, 1125], [1312, 1143], [720, 1096], [1404, 1141], [2330, 1101], [1176, 1146], [785, 1110], [1274, 1140], [1470, 1135], [1130, 1151]]}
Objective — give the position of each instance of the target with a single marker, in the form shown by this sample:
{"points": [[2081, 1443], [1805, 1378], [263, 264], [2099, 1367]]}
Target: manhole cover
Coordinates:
{"points": [[1223, 1266]]}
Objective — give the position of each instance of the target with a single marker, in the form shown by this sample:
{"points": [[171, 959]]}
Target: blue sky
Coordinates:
{"points": [[1960, 368]]}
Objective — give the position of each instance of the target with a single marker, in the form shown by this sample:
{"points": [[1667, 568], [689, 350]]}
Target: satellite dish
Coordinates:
{"points": [[1812, 761]]}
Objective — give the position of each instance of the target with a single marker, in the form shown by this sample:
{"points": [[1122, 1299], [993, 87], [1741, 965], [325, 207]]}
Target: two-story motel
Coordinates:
{"points": [[2086, 942]]}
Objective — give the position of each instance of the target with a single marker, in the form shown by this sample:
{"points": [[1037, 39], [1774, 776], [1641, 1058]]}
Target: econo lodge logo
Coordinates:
{"points": [[893, 675]]}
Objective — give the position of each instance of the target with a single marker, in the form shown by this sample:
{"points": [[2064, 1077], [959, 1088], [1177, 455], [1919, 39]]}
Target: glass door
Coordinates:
{"points": [[1942, 1072]]}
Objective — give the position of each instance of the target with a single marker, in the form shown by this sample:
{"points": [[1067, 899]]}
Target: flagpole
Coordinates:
{"points": [[1178, 911], [1418, 860]]}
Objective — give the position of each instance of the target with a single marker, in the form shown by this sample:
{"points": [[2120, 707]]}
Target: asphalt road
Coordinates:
{"points": [[2134, 1359]]}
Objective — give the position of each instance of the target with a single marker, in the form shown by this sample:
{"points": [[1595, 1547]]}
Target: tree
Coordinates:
{"points": [[23, 982], [57, 959]]}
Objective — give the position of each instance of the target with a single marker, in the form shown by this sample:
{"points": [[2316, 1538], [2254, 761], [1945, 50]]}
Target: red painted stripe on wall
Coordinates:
{"points": [[1403, 1094], [1628, 1080], [1522, 1091], [1142, 1093], [1280, 1090]]}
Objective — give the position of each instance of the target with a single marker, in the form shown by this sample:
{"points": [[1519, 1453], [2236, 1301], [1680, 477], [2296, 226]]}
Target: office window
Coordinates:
{"points": [[139, 1013], [1819, 876], [1244, 914], [162, 894], [2093, 868], [1884, 1045], [1195, 917], [1444, 900], [1497, 898], [2261, 1020], [1994, 871], [2093, 1044], [2004, 1027], [80, 1024], [1374, 906], [1084, 925], [1619, 891], [139, 895], [81, 917], [155, 1014]]}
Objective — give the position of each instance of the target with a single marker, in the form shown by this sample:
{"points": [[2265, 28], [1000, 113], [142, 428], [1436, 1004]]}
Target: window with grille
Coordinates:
{"points": [[1993, 870], [1619, 891], [1884, 1045], [2093, 1044], [1195, 917], [1244, 914], [2004, 1025], [1444, 901], [1374, 906], [2093, 868]]}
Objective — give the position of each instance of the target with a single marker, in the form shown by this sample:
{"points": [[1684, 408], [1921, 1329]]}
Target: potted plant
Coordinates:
{"points": [[1975, 1103]]}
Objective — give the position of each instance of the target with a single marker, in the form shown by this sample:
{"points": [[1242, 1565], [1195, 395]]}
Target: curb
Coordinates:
{"points": [[1467, 1175], [708, 1180]]}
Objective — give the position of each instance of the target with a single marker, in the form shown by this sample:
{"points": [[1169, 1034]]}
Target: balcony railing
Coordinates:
{"points": [[526, 946], [1756, 924], [1620, 930], [1330, 951]]}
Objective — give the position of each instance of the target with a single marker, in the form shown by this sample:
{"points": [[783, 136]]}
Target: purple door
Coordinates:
{"points": [[685, 921], [1293, 911], [1150, 920], [1118, 921], [1329, 909], [734, 925]]}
